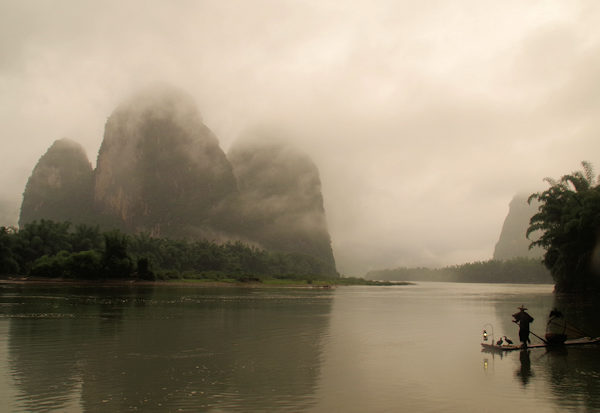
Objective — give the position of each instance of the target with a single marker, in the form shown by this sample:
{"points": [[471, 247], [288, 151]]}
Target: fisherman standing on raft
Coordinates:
{"points": [[523, 319]]}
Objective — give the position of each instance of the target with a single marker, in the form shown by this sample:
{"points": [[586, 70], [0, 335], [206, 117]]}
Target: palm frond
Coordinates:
{"points": [[588, 171]]}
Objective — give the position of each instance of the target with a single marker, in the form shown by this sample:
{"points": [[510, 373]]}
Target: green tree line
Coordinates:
{"points": [[517, 270], [59, 249], [569, 220]]}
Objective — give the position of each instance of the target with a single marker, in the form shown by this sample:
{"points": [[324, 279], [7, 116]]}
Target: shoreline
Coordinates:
{"points": [[323, 285], [141, 283]]}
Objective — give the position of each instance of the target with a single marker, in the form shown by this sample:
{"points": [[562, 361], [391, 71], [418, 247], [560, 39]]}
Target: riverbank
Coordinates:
{"points": [[190, 282]]}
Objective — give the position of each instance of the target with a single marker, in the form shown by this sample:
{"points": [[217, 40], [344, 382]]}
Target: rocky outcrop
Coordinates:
{"points": [[161, 170], [60, 187], [513, 242], [281, 205]]}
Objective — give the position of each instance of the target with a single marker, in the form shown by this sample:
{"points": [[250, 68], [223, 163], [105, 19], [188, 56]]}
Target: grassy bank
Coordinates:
{"points": [[205, 282]]}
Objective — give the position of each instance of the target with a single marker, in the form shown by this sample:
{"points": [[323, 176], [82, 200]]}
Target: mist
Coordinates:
{"points": [[423, 119]]}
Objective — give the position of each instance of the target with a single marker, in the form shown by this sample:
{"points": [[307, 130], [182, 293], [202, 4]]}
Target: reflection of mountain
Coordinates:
{"points": [[164, 349], [44, 370]]}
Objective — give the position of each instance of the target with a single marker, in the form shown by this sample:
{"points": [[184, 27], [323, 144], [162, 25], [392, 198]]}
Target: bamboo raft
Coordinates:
{"points": [[513, 347]]}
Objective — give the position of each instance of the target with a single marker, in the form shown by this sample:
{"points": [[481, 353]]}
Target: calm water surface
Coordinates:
{"points": [[351, 349]]}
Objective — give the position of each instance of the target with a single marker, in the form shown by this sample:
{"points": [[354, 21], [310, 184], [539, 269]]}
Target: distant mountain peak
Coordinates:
{"points": [[513, 242], [60, 186], [160, 170]]}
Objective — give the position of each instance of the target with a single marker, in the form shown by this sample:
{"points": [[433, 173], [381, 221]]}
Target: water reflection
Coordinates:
{"points": [[166, 348], [572, 374], [351, 349], [524, 373]]}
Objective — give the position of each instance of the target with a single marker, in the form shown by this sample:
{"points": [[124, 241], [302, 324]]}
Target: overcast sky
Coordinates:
{"points": [[424, 117]]}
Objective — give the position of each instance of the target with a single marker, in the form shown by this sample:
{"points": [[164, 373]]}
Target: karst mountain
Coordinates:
{"points": [[160, 170]]}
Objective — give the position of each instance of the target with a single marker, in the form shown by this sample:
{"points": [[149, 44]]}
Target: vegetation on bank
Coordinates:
{"points": [[569, 221], [517, 270], [307, 282], [59, 250]]}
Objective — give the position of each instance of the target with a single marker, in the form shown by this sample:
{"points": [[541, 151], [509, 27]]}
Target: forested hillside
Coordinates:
{"points": [[518, 270], [59, 249]]}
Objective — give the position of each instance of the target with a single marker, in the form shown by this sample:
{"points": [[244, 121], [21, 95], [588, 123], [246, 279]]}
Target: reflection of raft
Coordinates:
{"points": [[512, 347]]}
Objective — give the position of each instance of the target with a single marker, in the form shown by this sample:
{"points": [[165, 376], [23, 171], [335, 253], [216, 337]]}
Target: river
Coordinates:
{"points": [[350, 349]]}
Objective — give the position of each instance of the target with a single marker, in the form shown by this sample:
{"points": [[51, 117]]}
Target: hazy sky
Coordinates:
{"points": [[424, 117]]}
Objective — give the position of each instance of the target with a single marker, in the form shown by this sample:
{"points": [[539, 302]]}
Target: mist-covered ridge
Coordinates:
{"points": [[280, 204], [60, 186], [160, 170], [513, 241]]}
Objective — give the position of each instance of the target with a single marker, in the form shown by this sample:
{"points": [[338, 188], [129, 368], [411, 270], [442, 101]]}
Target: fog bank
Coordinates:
{"points": [[423, 119]]}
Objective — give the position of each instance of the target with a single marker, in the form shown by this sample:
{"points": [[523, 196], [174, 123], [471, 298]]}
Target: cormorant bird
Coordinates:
{"points": [[508, 340], [499, 342]]}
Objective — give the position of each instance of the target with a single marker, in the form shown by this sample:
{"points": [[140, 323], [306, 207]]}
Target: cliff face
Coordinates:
{"points": [[161, 170], [280, 205], [60, 187], [513, 242]]}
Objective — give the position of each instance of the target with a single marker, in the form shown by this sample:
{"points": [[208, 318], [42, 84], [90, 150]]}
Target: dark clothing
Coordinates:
{"points": [[556, 329], [524, 336], [523, 319]]}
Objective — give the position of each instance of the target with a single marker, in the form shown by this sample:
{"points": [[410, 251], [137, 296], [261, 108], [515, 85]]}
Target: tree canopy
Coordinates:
{"points": [[568, 220], [57, 249], [520, 270]]}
